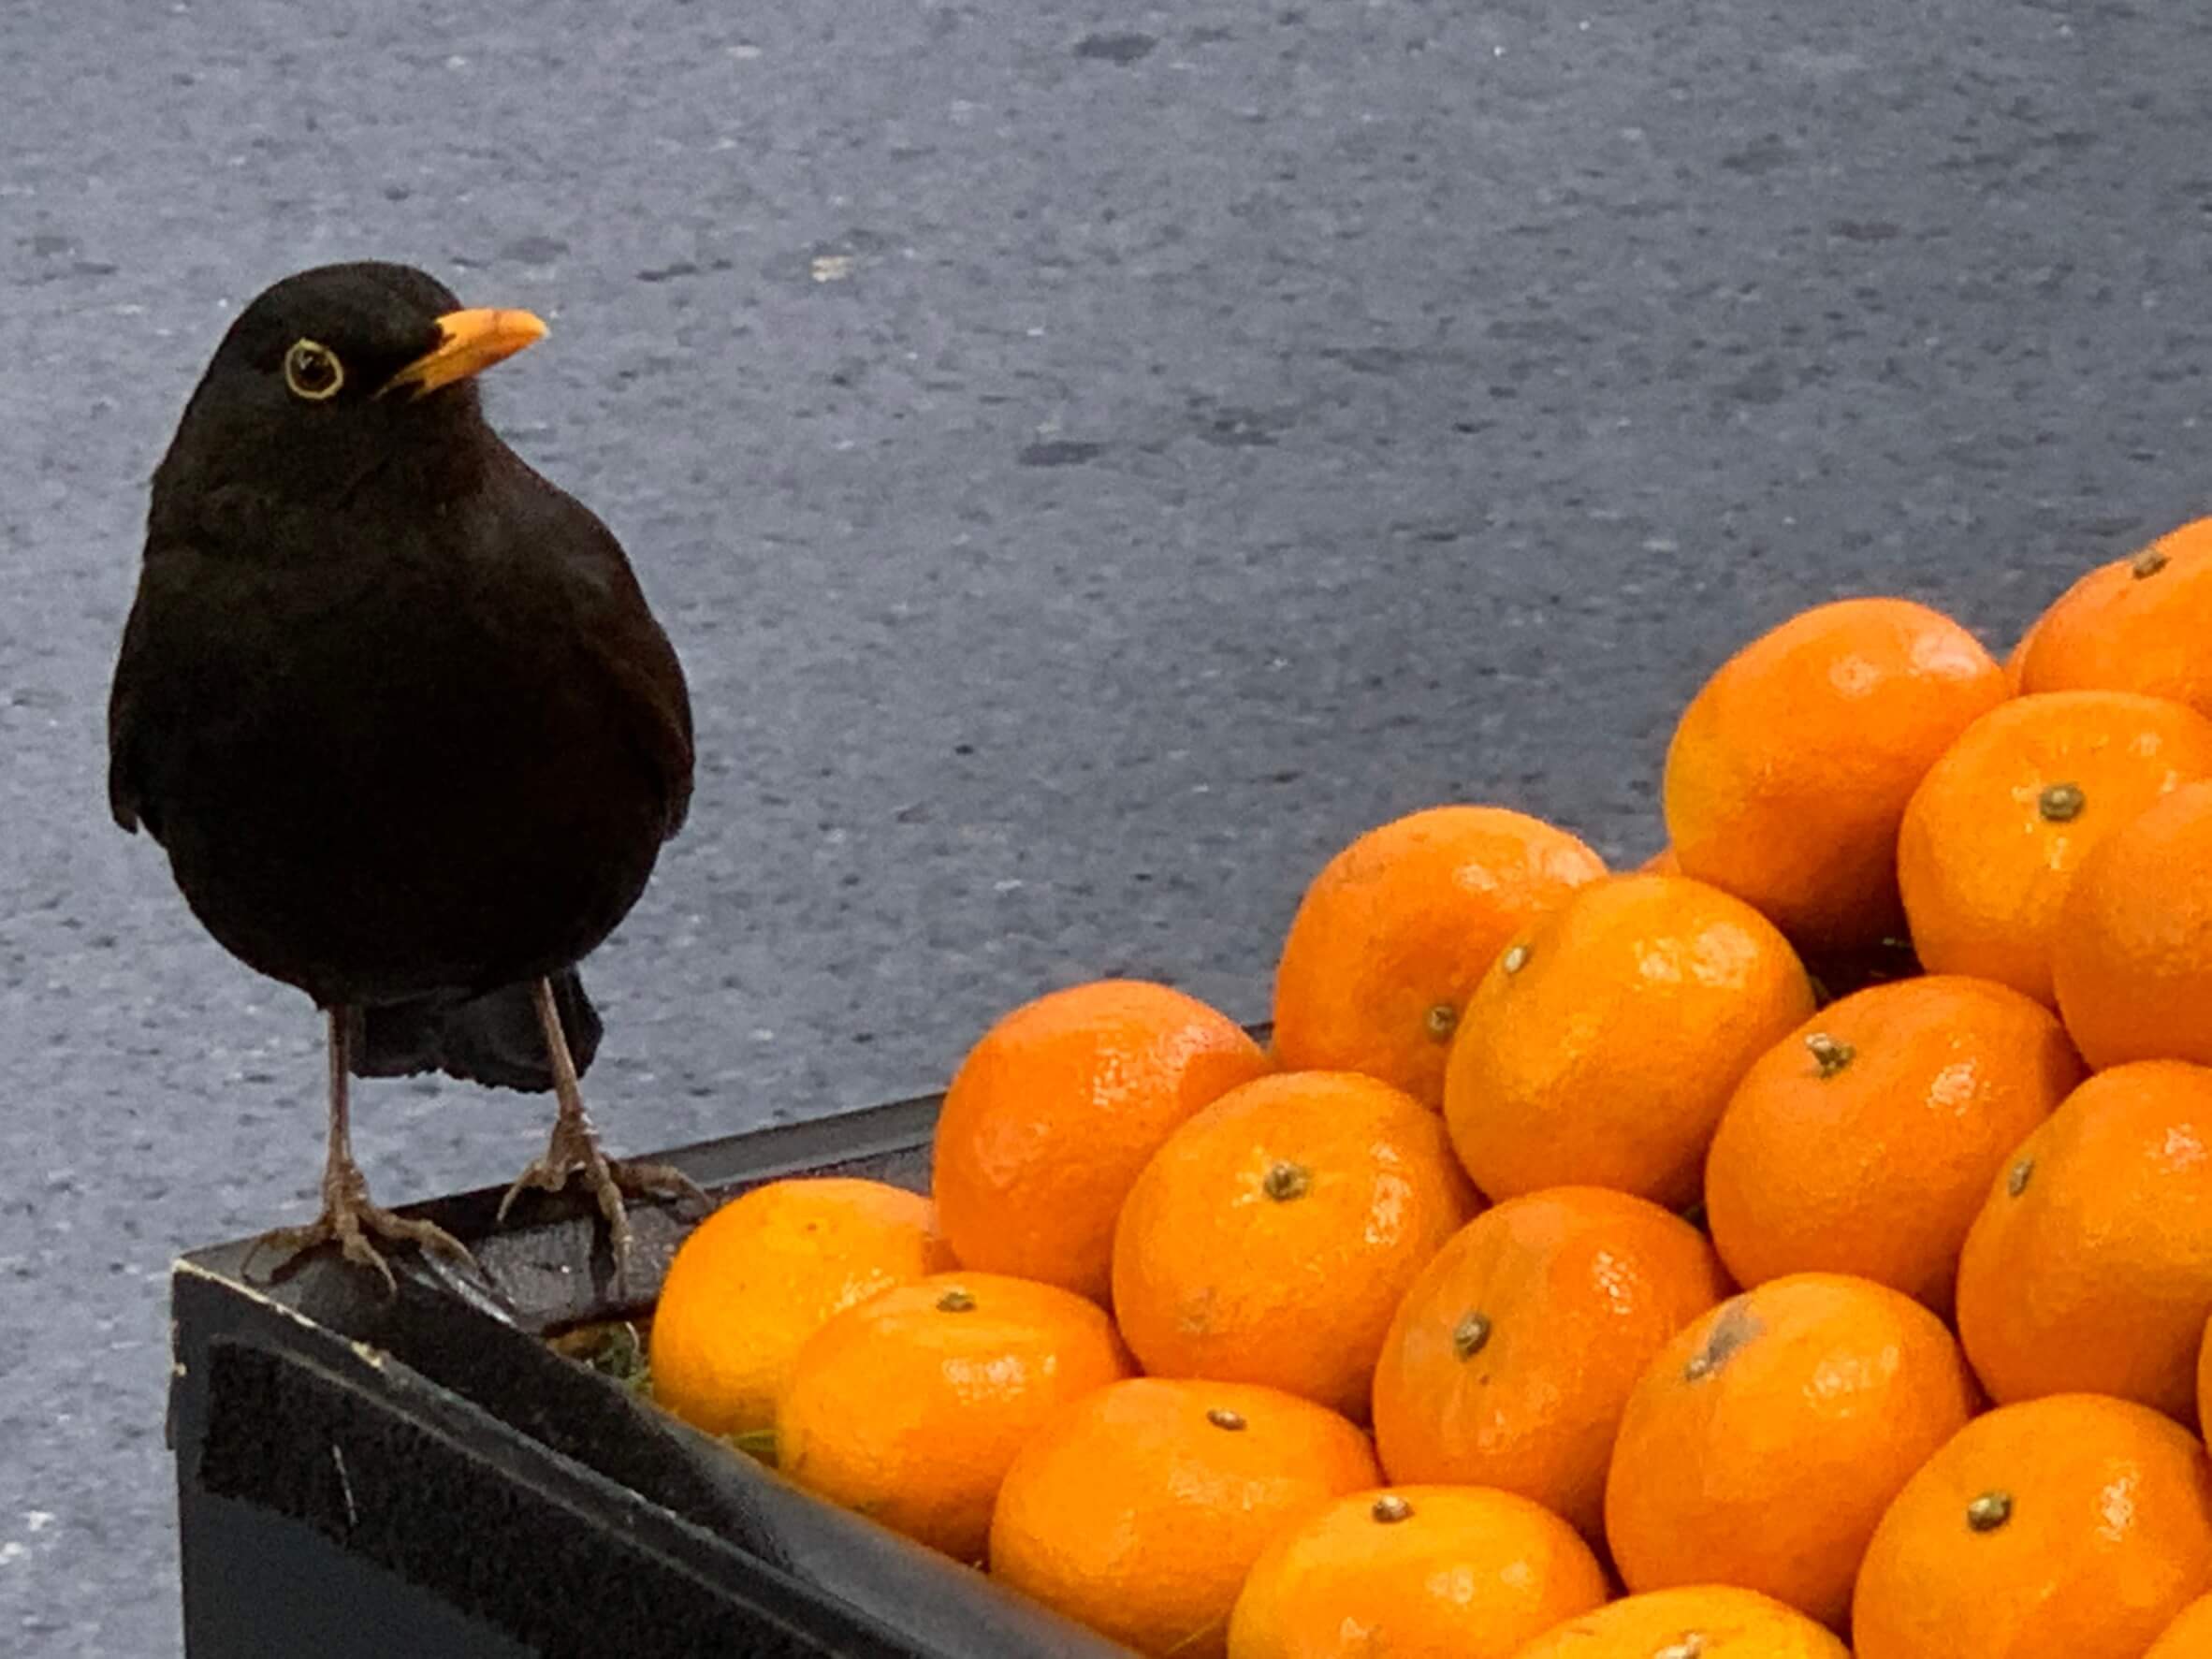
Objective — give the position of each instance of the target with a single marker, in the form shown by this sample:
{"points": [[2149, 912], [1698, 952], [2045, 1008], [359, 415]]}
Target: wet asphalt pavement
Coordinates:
{"points": [[1092, 462]]}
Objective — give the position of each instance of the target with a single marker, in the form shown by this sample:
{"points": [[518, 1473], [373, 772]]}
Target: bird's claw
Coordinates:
{"points": [[572, 1150], [665, 1181], [349, 1220]]}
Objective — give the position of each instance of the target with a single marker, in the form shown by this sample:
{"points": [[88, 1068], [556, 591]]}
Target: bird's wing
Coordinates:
{"points": [[128, 707], [660, 709], [626, 643]]}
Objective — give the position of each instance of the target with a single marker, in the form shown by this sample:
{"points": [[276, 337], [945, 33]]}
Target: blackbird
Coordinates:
{"points": [[397, 712]]}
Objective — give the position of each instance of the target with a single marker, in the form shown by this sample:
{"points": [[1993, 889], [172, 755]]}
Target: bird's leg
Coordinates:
{"points": [[348, 1216], [575, 1146]]}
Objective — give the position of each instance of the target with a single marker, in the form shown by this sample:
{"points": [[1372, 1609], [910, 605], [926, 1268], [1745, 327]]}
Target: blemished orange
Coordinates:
{"points": [[1763, 1443], [2134, 959], [1417, 1572], [1139, 1510], [1788, 774], [1602, 1045], [909, 1406], [2189, 1636], [1865, 1140], [2090, 1267], [1055, 1109], [2075, 1525], [1509, 1362], [1691, 1622], [1270, 1238], [754, 1280], [1996, 831], [1392, 935], [2135, 624]]}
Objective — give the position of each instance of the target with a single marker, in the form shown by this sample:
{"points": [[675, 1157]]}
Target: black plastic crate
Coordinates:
{"points": [[362, 1476]]}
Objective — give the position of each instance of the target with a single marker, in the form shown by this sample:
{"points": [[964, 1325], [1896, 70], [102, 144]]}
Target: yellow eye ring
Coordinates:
{"points": [[313, 371]]}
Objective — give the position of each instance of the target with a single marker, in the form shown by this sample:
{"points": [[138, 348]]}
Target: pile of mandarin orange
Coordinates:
{"points": [[1801, 1245]]}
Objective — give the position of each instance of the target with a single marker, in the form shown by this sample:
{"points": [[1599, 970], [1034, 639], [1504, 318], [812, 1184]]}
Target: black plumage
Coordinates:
{"points": [[396, 708]]}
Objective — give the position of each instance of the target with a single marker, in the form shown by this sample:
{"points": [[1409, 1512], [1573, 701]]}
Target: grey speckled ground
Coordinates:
{"points": [[1092, 462]]}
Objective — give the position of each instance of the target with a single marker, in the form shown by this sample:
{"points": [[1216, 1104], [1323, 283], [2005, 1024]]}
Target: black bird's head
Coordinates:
{"points": [[336, 375]]}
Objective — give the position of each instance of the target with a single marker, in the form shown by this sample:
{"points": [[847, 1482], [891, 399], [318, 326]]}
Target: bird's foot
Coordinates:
{"points": [[350, 1220], [573, 1150]]}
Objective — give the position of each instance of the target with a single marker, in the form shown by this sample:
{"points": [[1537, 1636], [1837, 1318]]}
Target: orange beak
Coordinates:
{"points": [[468, 342]]}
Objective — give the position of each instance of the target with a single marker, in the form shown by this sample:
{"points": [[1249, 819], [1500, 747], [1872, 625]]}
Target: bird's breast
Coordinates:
{"points": [[400, 778]]}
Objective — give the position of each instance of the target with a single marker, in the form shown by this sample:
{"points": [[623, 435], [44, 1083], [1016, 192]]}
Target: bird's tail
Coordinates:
{"points": [[492, 1038]]}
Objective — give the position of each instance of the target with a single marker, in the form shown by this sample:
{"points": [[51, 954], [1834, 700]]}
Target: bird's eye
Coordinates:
{"points": [[313, 371]]}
